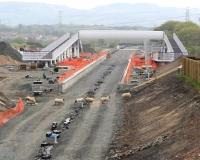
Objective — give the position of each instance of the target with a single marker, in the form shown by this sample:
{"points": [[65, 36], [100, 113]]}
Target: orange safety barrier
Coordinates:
{"points": [[140, 62], [78, 63], [85, 54], [12, 112]]}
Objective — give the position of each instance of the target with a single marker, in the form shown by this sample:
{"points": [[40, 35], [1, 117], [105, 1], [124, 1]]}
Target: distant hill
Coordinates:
{"points": [[119, 14]]}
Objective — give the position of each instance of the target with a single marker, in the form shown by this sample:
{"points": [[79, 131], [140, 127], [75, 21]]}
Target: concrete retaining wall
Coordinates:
{"points": [[122, 85], [81, 73]]}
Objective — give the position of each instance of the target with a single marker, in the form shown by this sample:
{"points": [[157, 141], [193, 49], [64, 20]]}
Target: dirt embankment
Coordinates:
{"points": [[5, 102], [8, 55], [160, 123], [6, 60]]}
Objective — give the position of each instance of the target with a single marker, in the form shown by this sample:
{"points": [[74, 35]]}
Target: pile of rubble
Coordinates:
{"points": [[116, 154]]}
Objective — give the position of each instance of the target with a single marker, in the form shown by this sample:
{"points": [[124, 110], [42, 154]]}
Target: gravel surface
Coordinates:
{"points": [[88, 136]]}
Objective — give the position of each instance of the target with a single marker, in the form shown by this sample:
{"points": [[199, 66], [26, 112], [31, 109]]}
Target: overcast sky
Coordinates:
{"points": [[87, 4]]}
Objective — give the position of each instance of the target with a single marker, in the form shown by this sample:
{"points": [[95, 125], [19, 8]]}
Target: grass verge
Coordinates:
{"points": [[190, 81]]}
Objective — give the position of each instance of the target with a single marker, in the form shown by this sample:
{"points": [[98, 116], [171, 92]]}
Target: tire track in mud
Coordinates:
{"points": [[27, 142], [80, 152], [91, 136]]}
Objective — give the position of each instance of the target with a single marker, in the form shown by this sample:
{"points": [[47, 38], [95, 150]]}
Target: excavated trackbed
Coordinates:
{"points": [[88, 136]]}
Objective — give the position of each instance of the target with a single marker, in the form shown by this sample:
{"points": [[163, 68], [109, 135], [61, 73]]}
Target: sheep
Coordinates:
{"points": [[59, 101], [89, 99], [80, 100], [126, 95], [105, 99], [30, 100]]}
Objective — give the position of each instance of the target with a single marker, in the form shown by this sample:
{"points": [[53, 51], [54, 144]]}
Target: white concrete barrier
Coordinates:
{"points": [[122, 85], [81, 73]]}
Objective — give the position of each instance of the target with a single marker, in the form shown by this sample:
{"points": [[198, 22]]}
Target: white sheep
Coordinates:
{"points": [[59, 101], [104, 99], [80, 100], [126, 95], [89, 99], [30, 100]]}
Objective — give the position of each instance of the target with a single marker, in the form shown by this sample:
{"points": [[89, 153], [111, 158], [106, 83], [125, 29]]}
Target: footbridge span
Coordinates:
{"points": [[69, 46]]}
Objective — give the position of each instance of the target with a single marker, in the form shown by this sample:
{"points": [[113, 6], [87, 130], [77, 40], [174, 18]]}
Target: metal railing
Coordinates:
{"points": [[33, 56], [180, 45], [65, 46], [164, 57], [168, 44]]}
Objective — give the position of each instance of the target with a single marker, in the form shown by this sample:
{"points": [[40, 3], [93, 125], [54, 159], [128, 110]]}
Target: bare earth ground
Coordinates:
{"points": [[87, 138], [160, 123], [6, 60]]}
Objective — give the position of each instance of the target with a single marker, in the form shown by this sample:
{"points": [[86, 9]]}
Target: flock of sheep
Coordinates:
{"points": [[79, 103]]}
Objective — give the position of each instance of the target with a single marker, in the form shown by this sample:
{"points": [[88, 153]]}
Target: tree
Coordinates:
{"points": [[188, 32]]}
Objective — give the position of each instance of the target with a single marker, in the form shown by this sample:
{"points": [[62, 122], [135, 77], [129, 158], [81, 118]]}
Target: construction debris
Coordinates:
{"points": [[57, 129], [131, 152]]}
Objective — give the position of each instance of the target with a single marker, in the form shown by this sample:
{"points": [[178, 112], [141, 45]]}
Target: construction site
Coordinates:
{"points": [[129, 102]]}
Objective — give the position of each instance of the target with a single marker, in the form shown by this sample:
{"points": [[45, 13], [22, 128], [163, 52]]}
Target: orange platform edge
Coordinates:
{"points": [[79, 63]]}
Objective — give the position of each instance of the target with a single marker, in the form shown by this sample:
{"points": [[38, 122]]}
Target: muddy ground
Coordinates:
{"points": [[161, 122], [87, 137]]}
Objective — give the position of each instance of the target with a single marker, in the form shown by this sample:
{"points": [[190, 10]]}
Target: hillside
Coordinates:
{"points": [[121, 14]]}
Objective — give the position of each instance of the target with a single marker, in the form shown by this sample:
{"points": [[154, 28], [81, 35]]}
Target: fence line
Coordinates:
{"points": [[191, 68]]}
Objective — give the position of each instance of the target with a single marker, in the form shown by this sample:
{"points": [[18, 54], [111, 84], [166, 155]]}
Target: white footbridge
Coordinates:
{"points": [[70, 46]]}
